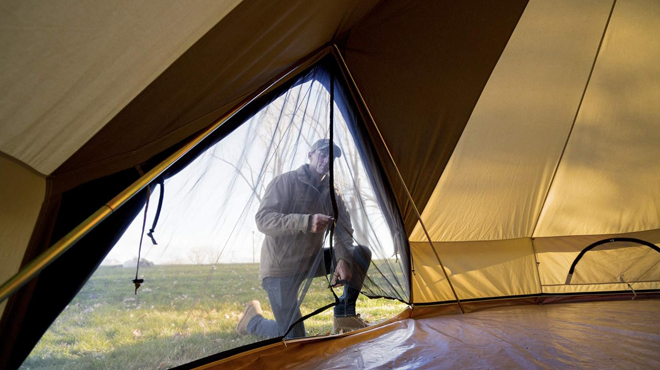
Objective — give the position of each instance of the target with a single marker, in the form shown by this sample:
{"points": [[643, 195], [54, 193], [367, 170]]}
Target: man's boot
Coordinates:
{"points": [[345, 324], [251, 310]]}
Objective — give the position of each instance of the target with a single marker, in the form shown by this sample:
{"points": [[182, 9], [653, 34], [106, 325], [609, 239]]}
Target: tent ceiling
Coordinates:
{"points": [[250, 46], [68, 67]]}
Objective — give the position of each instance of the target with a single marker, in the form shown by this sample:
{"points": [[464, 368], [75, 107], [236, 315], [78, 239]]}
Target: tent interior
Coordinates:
{"points": [[496, 157]]}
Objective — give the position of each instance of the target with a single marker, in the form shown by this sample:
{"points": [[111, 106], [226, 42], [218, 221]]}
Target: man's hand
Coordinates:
{"points": [[342, 272], [319, 223]]}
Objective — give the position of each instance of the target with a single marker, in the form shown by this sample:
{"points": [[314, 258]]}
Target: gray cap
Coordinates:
{"points": [[325, 143]]}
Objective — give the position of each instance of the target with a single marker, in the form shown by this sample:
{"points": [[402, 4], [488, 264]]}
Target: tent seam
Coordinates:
{"points": [[577, 113], [23, 164]]}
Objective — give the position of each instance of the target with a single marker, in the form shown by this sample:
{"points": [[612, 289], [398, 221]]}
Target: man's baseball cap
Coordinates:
{"points": [[325, 143]]}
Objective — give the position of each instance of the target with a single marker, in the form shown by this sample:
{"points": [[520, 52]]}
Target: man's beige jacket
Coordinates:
{"points": [[284, 217]]}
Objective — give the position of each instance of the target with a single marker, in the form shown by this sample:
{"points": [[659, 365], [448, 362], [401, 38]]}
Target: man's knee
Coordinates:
{"points": [[361, 262], [362, 255]]}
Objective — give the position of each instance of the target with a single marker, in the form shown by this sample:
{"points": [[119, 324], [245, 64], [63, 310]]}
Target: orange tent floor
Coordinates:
{"points": [[586, 335]]}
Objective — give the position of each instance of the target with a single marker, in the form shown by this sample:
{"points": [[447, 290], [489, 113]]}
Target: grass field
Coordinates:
{"points": [[181, 313]]}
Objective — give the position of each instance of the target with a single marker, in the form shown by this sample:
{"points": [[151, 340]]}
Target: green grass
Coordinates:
{"points": [[180, 314]]}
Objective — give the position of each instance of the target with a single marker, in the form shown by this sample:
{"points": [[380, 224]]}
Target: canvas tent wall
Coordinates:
{"points": [[554, 142], [557, 99]]}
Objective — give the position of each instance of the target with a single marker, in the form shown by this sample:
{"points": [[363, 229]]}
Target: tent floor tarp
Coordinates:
{"points": [[602, 335]]}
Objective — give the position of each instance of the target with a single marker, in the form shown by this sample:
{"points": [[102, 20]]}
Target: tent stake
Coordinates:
{"points": [[349, 76], [34, 267]]}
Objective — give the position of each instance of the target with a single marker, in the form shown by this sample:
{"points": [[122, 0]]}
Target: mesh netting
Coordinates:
{"points": [[263, 214]]}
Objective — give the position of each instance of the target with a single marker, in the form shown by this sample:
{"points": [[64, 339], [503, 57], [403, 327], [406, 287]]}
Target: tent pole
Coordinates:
{"points": [[340, 59], [34, 267]]}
